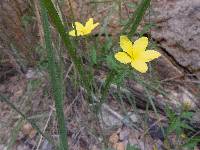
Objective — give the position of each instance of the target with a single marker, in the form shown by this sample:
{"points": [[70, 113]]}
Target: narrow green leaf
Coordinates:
{"points": [[93, 56], [187, 115], [65, 37], [186, 126], [111, 63], [174, 125], [137, 17], [132, 147], [56, 79], [191, 143]]}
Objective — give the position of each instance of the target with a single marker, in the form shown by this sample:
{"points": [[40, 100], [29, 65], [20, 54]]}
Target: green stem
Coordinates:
{"points": [[108, 82]]}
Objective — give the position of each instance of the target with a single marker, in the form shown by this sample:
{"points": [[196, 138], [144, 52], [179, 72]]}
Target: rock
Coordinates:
{"points": [[119, 146], [2, 147], [133, 117], [27, 129], [163, 65], [181, 97], [127, 135], [109, 118], [22, 147], [34, 74], [113, 138], [95, 148], [123, 135], [178, 31], [46, 145], [142, 143], [196, 118]]}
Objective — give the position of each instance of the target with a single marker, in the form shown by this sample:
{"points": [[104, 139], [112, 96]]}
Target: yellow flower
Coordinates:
{"points": [[183, 136], [83, 30], [135, 54]]}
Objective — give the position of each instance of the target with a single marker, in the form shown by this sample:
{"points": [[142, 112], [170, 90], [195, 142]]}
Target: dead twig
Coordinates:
{"points": [[45, 127]]}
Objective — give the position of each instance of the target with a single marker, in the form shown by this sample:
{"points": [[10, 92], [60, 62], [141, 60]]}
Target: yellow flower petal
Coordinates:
{"points": [[79, 26], [150, 55], [126, 44], [83, 30], [139, 66], [95, 25], [89, 26], [73, 33], [89, 23], [139, 46], [135, 53], [123, 57]]}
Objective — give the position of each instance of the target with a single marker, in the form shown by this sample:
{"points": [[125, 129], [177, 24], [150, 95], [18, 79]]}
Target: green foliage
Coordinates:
{"points": [[93, 56], [132, 147], [178, 124], [42, 61], [111, 63], [26, 20], [132, 24], [106, 47], [34, 84], [132, 5], [192, 143]]}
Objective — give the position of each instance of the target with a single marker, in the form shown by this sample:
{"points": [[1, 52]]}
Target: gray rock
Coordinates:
{"points": [[109, 118], [46, 146], [2, 147], [178, 31]]}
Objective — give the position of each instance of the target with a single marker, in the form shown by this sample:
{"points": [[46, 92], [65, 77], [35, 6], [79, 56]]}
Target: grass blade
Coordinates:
{"points": [[56, 79], [65, 37], [134, 22]]}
